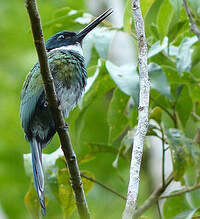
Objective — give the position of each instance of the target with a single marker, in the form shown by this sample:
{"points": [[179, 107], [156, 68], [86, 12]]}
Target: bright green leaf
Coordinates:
{"points": [[176, 5], [174, 206], [117, 120], [164, 18], [66, 194], [177, 29], [128, 17], [151, 16], [186, 214], [76, 4], [184, 106], [32, 203], [67, 19], [156, 114], [97, 85]]}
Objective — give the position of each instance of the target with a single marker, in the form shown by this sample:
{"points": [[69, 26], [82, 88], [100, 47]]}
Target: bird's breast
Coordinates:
{"points": [[69, 75]]}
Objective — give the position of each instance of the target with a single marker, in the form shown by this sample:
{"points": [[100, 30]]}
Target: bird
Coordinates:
{"points": [[67, 66]]}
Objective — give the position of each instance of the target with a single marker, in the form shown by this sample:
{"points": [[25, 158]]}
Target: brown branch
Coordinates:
{"points": [[194, 27], [154, 197], [104, 186], [54, 107], [183, 191]]}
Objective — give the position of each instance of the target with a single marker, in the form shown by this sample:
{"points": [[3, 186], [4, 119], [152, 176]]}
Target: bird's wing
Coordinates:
{"points": [[31, 92], [62, 64]]}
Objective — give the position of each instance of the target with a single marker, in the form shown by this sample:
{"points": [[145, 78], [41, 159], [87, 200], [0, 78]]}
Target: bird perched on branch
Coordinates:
{"points": [[66, 63]]}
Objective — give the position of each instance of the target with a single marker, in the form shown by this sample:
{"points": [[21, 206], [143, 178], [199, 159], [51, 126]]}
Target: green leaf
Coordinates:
{"points": [[176, 5], [158, 80], [185, 153], [125, 147], [177, 29], [145, 6], [97, 85], [151, 16], [164, 18], [174, 206], [128, 17], [66, 194], [85, 159], [175, 140], [117, 120], [195, 55], [186, 214], [76, 4], [32, 203], [157, 47], [67, 19], [184, 56], [184, 106], [101, 148], [195, 6], [126, 78], [156, 114], [87, 184]]}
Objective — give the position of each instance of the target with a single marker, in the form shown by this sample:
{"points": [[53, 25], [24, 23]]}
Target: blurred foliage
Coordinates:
{"points": [[103, 125]]}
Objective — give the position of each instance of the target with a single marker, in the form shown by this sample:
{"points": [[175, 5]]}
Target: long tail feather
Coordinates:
{"points": [[38, 172]]}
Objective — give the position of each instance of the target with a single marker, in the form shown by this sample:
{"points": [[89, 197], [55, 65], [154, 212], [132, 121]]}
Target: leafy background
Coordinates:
{"points": [[102, 126]]}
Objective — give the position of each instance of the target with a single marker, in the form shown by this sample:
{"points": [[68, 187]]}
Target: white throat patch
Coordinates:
{"points": [[76, 48]]}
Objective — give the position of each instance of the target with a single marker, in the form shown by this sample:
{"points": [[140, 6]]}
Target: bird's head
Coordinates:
{"points": [[66, 38]]}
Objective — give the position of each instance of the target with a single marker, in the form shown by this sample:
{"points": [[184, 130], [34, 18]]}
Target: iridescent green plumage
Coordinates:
{"points": [[67, 67]]}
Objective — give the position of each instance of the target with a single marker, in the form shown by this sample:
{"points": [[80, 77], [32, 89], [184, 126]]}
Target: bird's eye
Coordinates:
{"points": [[61, 37]]}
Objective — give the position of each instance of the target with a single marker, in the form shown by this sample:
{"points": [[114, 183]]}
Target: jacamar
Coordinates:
{"points": [[66, 63]]}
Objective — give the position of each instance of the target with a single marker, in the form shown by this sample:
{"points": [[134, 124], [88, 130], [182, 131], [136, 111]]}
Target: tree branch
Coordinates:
{"points": [[194, 27], [153, 198], [183, 191], [56, 112], [142, 113], [104, 186]]}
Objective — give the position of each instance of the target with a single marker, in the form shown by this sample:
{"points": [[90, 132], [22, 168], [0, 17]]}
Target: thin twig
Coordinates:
{"points": [[183, 191], [196, 116], [162, 107], [154, 197], [194, 27], [104, 186], [159, 212], [163, 157], [54, 107], [143, 111]]}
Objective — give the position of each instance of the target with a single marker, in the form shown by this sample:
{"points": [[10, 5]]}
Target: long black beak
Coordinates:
{"points": [[92, 25]]}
